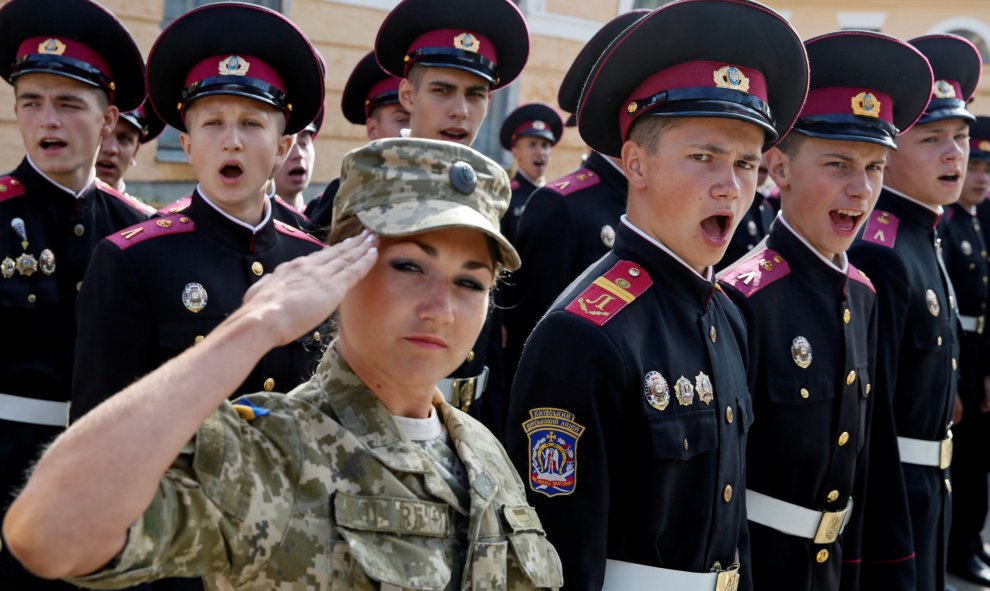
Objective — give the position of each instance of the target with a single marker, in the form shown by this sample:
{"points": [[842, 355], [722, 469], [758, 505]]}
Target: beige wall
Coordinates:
{"points": [[343, 30]]}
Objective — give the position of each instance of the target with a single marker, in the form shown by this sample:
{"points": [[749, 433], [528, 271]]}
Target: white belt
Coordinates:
{"points": [[629, 576], [461, 392], [823, 527], [926, 453], [35, 412], [972, 323]]}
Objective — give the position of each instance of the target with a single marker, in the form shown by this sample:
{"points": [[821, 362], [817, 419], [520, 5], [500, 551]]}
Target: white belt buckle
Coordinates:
{"points": [[728, 580]]}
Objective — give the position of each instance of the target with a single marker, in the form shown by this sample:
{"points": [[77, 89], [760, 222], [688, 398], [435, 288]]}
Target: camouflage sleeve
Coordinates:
{"points": [[221, 508]]}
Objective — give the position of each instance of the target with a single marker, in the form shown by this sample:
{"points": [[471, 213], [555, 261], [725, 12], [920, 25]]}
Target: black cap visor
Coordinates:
{"points": [[848, 128], [942, 109]]}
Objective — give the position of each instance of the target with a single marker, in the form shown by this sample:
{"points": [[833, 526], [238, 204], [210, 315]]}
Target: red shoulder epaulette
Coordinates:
{"points": [[513, 184], [881, 228], [286, 204], [289, 230], [610, 293], [138, 233], [177, 206], [580, 179], [755, 272], [860, 277], [10, 188]]}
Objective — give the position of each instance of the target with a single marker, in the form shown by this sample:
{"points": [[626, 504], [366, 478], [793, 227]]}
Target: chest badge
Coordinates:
{"points": [[703, 387], [47, 262], [553, 438], [194, 297], [684, 390], [656, 390], [932, 300], [8, 267], [608, 236], [801, 352], [967, 248]]}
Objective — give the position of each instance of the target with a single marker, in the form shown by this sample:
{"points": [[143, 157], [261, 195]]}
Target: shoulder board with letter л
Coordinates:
{"points": [[609, 294]]}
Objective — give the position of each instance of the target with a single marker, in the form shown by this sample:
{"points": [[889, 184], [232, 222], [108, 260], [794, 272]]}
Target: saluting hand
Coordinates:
{"points": [[305, 291]]}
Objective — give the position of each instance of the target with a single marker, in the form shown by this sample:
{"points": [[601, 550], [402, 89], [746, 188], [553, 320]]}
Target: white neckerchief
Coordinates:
{"points": [[707, 276], [242, 223], [937, 210], [89, 182], [426, 429], [842, 268]]}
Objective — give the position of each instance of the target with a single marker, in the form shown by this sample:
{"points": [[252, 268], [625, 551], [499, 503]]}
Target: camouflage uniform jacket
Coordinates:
{"points": [[323, 491]]}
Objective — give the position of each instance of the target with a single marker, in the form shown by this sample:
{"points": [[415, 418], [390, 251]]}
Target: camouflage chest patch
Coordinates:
{"points": [[553, 438]]}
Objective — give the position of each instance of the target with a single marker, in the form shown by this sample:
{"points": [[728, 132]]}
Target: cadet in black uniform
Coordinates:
{"points": [[157, 288], [812, 316], [530, 133], [965, 254], [450, 61], [74, 67], [119, 149], [296, 171], [371, 99], [917, 347], [571, 221], [629, 412]]}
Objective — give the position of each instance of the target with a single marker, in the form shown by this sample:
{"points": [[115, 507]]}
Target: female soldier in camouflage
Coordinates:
{"points": [[361, 478]]}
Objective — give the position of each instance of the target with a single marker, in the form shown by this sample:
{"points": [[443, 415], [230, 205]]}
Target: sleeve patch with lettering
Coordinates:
{"points": [[553, 438]]}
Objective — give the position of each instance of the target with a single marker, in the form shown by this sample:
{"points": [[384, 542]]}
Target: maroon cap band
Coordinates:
{"points": [[849, 101]]}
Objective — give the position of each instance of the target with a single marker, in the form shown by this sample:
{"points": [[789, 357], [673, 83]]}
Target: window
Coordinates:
{"points": [[976, 39], [169, 149], [973, 30]]}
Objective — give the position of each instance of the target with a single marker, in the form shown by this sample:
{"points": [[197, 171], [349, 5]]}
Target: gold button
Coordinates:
{"points": [[868, 388], [804, 393], [972, 266], [727, 493], [685, 444], [713, 334], [984, 279], [316, 336], [843, 438], [847, 316], [728, 415], [822, 556], [938, 341], [269, 385], [833, 496], [199, 338], [257, 268], [983, 253], [79, 230], [32, 298], [954, 364], [470, 356], [851, 378], [78, 285], [633, 272]]}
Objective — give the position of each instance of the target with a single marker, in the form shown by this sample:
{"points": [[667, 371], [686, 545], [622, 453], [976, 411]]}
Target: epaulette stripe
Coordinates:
{"points": [[173, 224], [756, 272], [10, 187], [614, 289], [881, 228]]}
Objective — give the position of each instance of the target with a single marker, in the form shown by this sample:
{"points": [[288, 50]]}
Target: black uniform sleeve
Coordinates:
{"points": [[546, 242], [116, 331], [320, 210], [588, 383], [887, 547]]}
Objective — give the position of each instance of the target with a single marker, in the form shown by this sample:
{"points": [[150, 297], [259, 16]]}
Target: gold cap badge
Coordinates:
{"points": [[467, 42], [943, 89], [731, 77], [233, 66], [51, 46], [866, 104], [539, 125]]}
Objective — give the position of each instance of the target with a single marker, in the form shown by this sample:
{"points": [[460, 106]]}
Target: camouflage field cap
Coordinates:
{"points": [[402, 186]]}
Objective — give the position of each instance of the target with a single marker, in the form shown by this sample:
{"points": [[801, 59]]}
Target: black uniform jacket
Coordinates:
{"points": [[753, 228], [281, 211], [567, 225], [808, 444], [155, 289], [627, 421], [965, 254], [38, 311], [320, 210], [915, 383], [522, 188]]}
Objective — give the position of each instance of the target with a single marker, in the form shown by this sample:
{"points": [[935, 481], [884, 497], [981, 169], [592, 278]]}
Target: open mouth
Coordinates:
{"points": [[539, 163], [51, 144], [231, 171], [716, 227], [297, 172], [845, 220], [106, 165], [454, 134], [951, 177]]}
